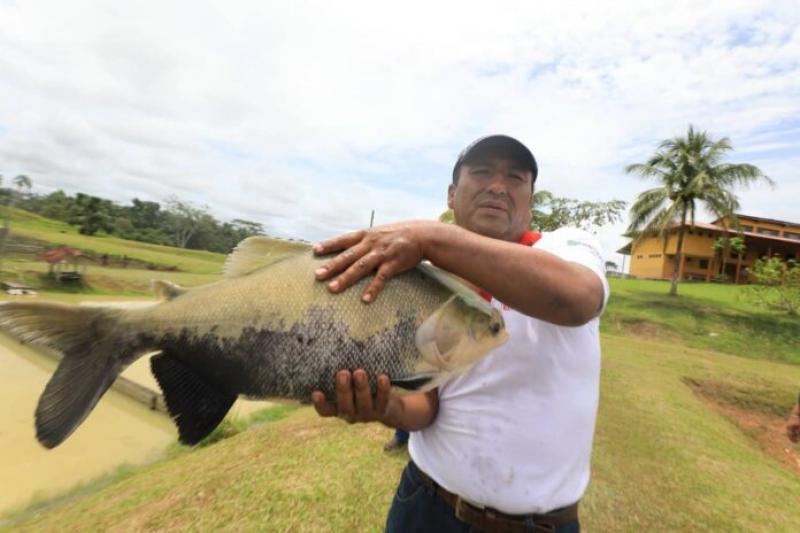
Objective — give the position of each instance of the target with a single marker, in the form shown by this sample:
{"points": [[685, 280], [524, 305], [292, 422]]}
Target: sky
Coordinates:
{"points": [[306, 116]]}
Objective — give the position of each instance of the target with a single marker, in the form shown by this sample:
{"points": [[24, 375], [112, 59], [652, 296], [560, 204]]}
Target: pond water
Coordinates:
{"points": [[120, 430]]}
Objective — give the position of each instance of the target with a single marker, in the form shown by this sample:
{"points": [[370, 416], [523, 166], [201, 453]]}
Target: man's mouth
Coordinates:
{"points": [[496, 206]]}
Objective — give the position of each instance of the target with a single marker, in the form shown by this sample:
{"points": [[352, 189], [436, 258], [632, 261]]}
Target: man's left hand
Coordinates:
{"points": [[386, 250]]}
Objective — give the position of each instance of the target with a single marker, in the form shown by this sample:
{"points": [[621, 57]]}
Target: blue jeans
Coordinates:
{"points": [[401, 436], [417, 508]]}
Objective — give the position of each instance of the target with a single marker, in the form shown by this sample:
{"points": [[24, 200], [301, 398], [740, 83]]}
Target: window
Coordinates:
{"points": [[639, 256], [767, 231], [791, 235], [654, 256], [704, 263], [747, 228]]}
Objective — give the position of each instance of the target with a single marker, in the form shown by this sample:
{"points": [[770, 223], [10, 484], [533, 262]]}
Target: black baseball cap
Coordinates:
{"points": [[497, 145]]}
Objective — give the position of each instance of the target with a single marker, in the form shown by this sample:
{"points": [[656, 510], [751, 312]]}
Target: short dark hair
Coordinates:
{"points": [[497, 145]]}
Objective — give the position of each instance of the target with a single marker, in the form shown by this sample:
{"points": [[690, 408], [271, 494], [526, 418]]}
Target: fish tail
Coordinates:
{"points": [[92, 359]]}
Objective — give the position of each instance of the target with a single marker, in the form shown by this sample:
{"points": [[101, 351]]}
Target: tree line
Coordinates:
{"points": [[175, 223]]}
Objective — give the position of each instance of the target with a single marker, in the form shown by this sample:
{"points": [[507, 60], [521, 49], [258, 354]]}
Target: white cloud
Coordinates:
{"points": [[308, 115]]}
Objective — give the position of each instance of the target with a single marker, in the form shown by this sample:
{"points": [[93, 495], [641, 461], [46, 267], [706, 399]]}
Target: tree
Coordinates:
{"points": [[92, 214], [611, 266], [777, 284], [723, 246], [550, 212], [143, 214], [689, 171], [23, 182], [184, 220]]}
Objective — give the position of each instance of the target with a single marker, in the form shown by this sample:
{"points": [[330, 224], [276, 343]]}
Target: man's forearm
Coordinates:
{"points": [[413, 412], [534, 282]]}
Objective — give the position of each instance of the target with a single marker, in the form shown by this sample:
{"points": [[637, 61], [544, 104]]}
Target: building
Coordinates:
{"points": [[651, 259]]}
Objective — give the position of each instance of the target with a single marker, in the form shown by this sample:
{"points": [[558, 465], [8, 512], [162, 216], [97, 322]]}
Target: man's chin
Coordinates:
{"points": [[490, 228]]}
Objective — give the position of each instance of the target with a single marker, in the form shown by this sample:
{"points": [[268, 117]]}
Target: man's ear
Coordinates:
{"points": [[451, 192]]}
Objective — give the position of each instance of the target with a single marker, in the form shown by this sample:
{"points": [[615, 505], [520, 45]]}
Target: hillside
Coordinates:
{"points": [[44, 230], [664, 460], [31, 233]]}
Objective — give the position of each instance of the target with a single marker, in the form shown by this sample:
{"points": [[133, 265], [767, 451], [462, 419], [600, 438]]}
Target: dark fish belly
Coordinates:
{"points": [[293, 362]]}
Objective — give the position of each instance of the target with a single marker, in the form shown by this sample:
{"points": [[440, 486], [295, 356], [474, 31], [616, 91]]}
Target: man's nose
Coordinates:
{"points": [[497, 183]]}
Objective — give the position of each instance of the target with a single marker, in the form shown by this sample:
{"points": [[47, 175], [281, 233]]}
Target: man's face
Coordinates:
{"points": [[492, 197]]}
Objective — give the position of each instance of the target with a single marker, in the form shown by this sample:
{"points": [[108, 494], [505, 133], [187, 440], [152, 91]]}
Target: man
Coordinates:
{"points": [[505, 446], [793, 424]]}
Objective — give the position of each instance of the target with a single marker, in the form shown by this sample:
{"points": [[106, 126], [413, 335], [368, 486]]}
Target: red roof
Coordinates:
{"points": [[56, 255]]}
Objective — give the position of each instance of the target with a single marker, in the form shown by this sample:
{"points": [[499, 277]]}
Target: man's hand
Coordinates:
{"points": [[354, 401], [793, 425], [387, 250]]}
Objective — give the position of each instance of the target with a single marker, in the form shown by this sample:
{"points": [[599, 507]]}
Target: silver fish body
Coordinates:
{"points": [[267, 330]]}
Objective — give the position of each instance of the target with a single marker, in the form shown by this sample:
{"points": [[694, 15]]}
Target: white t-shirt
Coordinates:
{"points": [[515, 432]]}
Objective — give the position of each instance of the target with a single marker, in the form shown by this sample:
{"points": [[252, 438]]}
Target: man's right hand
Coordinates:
{"points": [[355, 403], [354, 400]]}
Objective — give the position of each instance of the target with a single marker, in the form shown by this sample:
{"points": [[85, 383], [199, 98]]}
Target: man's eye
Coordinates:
{"points": [[516, 177], [480, 171]]}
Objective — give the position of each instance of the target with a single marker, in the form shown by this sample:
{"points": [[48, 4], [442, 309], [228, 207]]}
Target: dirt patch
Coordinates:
{"points": [[638, 328], [756, 418]]}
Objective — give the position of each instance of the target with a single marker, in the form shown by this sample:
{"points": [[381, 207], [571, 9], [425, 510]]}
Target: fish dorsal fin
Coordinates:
{"points": [[462, 288], [196, 406], [166, 290], [254, 253]]}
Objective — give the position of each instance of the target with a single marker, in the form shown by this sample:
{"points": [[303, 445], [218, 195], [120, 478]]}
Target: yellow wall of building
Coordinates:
{"points": [[650, 259]]}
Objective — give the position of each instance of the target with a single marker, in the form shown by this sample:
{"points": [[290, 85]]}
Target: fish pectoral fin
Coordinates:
{"points": [[71, 394], [195, 406], [412, 383], [166, 290]]}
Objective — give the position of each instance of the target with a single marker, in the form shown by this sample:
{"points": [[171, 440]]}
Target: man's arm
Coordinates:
{"points": [[355, 403], [536, 283]]}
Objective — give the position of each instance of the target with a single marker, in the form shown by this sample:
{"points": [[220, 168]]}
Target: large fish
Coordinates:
{"points": [[267, 330]]}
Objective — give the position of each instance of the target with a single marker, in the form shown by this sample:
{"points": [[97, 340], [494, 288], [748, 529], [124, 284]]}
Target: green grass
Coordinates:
{"points": [[703, 315], [664, 460], [100, 280], [35, 227]]}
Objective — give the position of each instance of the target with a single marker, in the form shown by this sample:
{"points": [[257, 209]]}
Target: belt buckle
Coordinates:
{"points": [[461, 507]]}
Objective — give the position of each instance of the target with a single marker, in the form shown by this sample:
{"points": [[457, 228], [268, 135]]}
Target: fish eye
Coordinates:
{"points": [[495, 328]]}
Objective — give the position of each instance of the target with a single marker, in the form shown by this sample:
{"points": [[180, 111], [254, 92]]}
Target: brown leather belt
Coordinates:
{"points": [[488, 519]]}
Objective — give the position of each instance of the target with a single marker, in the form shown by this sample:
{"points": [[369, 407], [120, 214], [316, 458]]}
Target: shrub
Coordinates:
{"points": [[777, 284]]}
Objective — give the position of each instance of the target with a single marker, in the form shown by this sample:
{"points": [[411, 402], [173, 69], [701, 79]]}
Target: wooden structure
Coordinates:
{"points": [[66, 264], [652, 257]]}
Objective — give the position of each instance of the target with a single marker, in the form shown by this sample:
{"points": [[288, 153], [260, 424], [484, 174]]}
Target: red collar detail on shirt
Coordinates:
{"points": [[528, 238]]}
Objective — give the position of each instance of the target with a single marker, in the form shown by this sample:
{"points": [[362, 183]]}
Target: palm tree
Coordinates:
{"points": [[689, 171]]}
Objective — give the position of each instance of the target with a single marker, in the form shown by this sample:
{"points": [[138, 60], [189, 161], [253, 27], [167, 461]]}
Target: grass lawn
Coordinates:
{"points": [[664, 460], [703, 315]]}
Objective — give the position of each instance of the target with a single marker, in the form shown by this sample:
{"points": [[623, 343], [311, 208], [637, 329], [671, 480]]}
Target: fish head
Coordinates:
{"points": [[459, 333]]}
